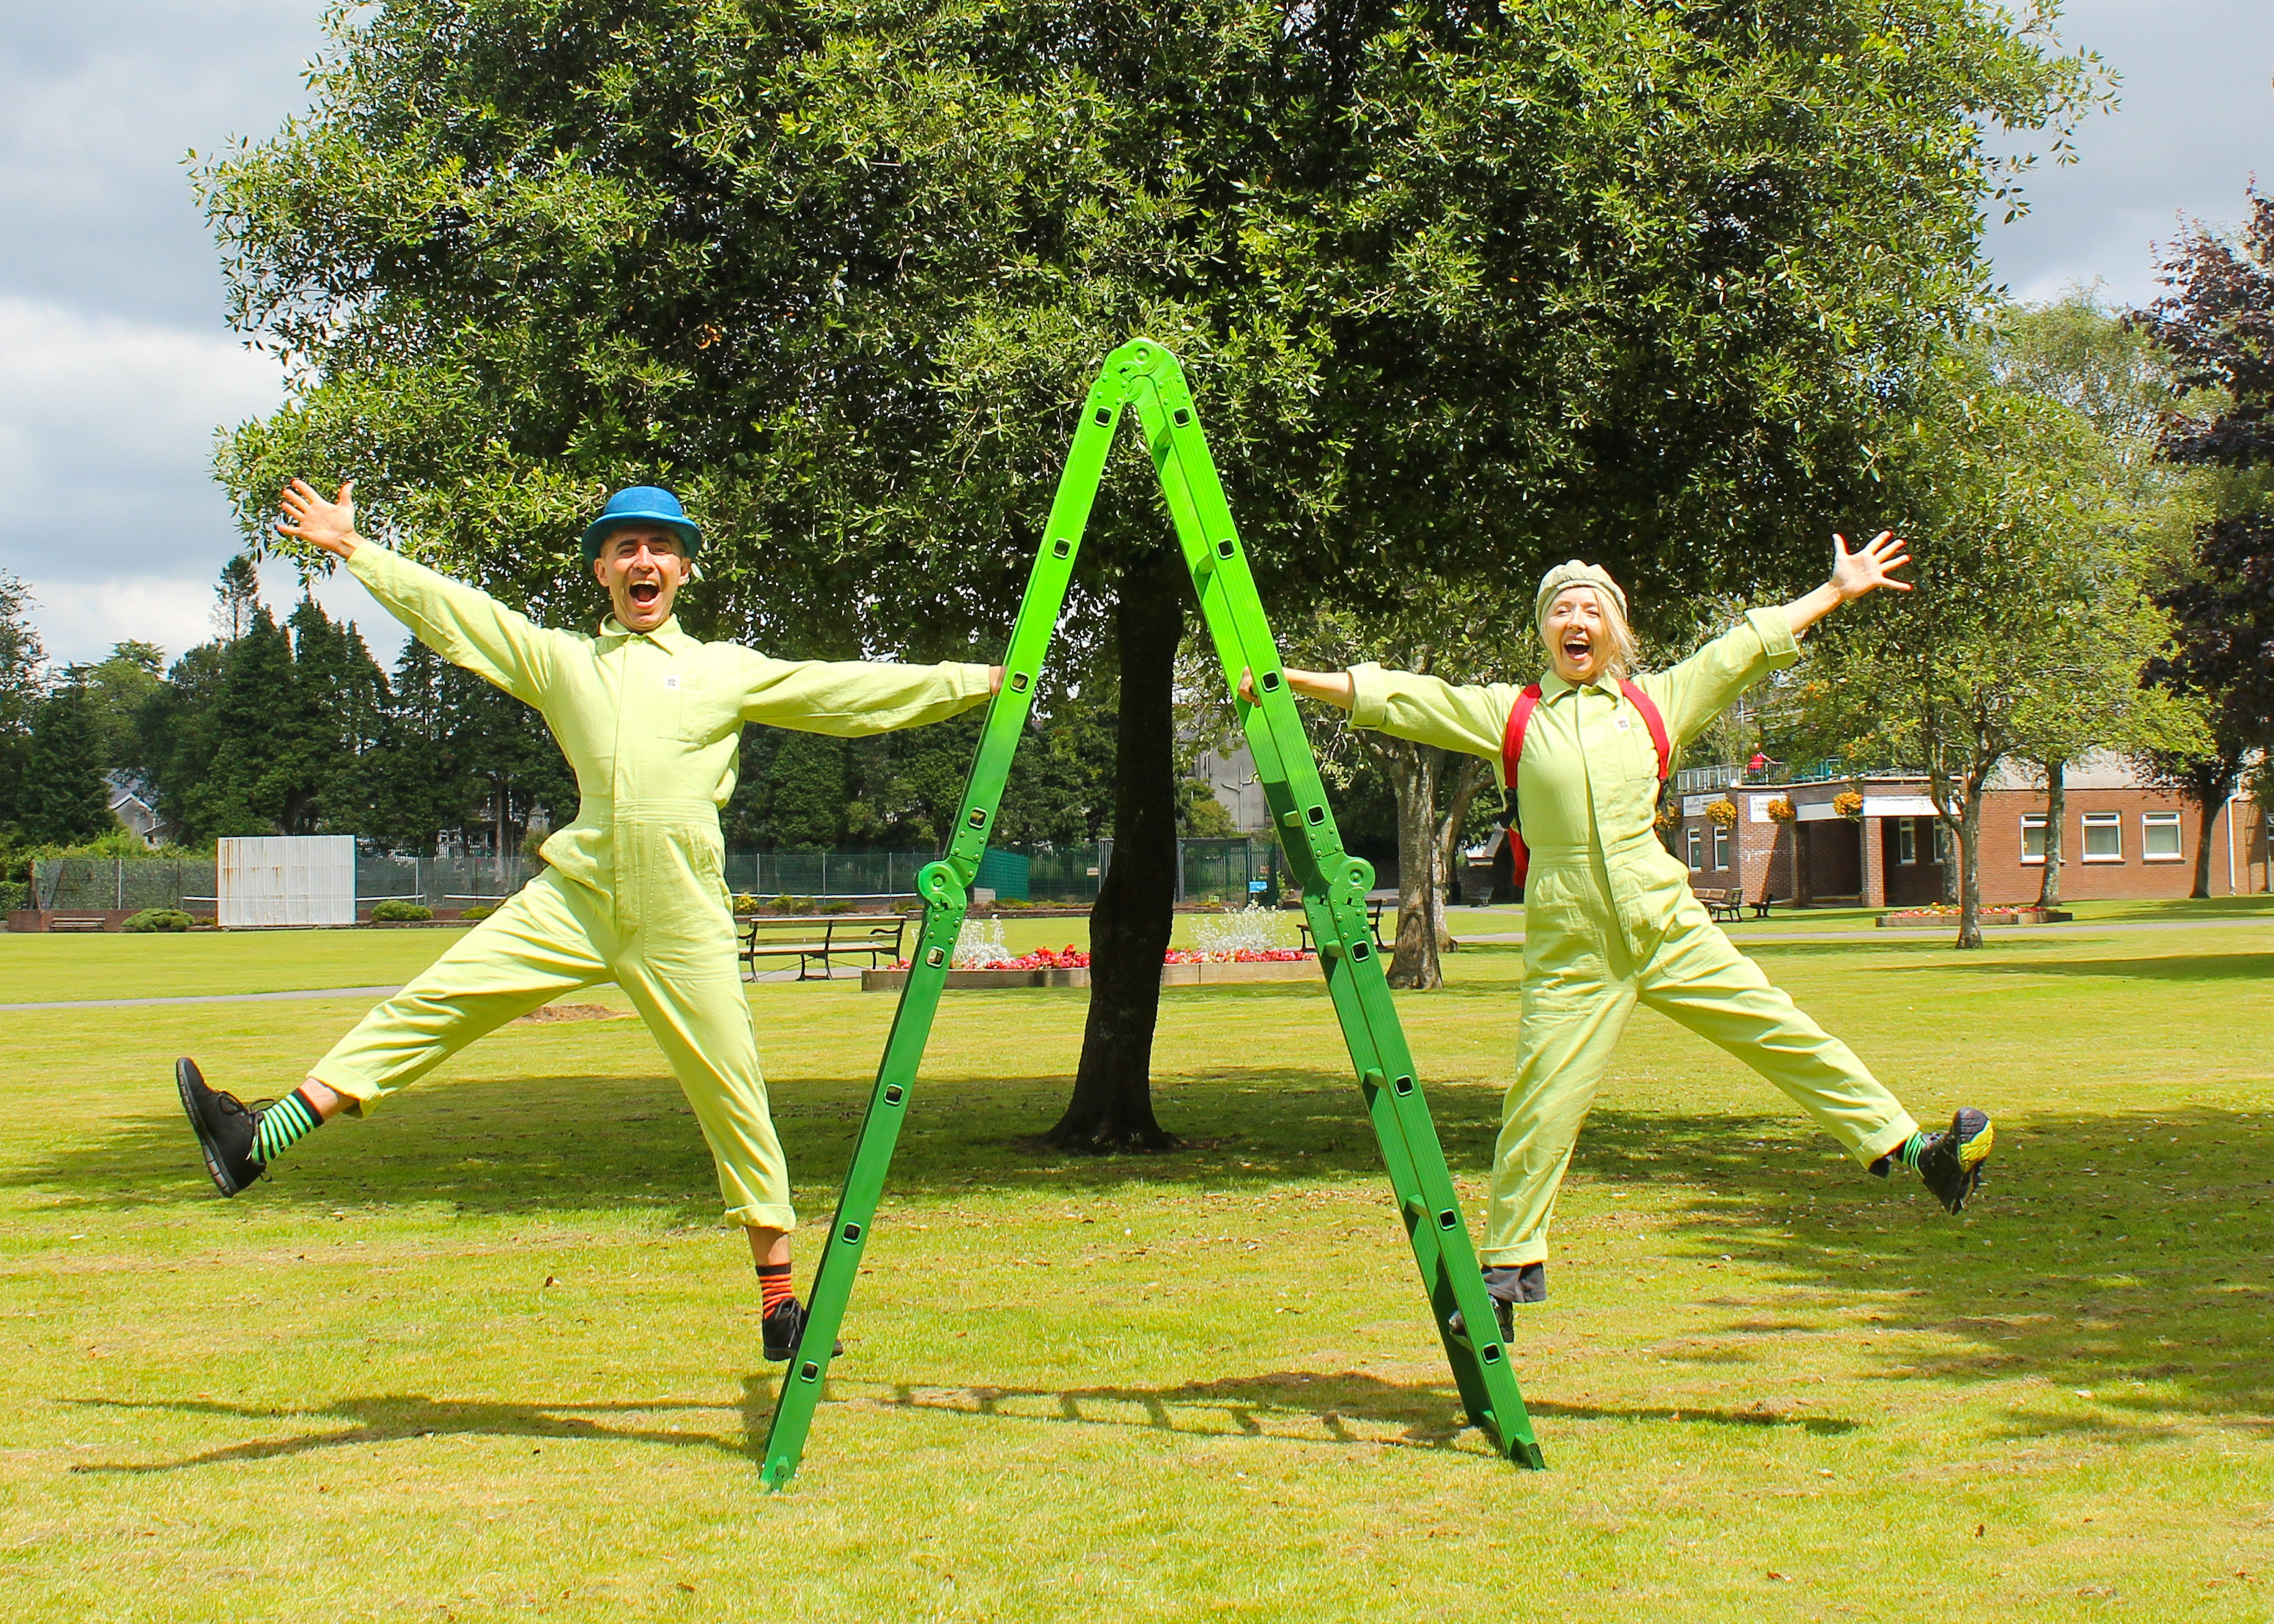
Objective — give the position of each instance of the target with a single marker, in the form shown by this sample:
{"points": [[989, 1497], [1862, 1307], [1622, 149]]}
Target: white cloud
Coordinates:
{"points": [[106, 430], [2197, 119]]}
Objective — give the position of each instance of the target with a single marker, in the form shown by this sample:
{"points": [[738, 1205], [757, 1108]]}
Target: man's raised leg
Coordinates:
{"points": [[537, 945]]}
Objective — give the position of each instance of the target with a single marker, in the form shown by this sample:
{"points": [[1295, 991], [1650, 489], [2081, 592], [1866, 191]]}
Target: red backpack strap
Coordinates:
{"points": [[1656, 722], [1511, 745]]}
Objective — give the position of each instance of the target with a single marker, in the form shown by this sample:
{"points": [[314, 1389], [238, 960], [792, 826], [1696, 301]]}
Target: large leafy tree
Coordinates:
{"points": [[1473, 283], [2031, 624], [2217, 326]]}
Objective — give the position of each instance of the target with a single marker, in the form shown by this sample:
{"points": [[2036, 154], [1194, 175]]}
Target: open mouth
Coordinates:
{"points": [[1576, 649], [645, 592]]}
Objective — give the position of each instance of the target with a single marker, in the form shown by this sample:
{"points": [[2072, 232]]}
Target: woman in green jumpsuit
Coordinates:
{"points": [[633, 890], [1609, 920]]}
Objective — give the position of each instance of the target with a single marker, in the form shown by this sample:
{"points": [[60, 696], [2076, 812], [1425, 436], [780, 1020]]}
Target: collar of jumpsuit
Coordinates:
{"points": [[667, 636]]}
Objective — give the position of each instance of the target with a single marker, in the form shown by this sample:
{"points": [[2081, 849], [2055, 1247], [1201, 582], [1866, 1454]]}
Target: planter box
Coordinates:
{"points": [[1987, 916], [1172, 975]]}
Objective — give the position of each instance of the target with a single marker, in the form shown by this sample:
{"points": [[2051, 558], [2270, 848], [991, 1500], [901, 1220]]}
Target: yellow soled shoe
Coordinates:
{"points": [[1951, 1164]]}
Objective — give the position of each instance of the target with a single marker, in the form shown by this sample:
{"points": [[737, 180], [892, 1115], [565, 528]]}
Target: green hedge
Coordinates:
{"points": [[14, 894], [400, 913], [157, 919]]}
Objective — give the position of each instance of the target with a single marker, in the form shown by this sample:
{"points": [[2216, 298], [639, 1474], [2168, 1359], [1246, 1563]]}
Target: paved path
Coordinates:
{"points": [[210, 997], [374, 994], [1990, 933]]}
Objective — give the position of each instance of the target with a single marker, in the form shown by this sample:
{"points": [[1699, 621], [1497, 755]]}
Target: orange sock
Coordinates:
{"points": [[773, 1285]]}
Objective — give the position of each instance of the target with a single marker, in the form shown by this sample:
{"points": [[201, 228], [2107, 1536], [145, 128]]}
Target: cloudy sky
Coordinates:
{"points": [[116, 367]]}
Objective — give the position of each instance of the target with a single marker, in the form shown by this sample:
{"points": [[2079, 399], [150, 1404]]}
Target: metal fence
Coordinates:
{"points": [[1206, 870]]}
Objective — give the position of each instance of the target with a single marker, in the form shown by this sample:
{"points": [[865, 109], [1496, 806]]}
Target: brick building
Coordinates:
{"points": [[2121, 838]]}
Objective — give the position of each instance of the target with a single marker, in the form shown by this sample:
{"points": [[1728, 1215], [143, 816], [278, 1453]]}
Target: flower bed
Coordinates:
{"points": [[1070, 967], [1943, 914]]}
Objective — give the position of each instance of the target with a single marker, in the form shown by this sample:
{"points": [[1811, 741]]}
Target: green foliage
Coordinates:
{"points": [[117, 688], [157, 920], [1468, 282], [61, 797], [478, 912], [396, 913], [23, 665], [14, 894]]}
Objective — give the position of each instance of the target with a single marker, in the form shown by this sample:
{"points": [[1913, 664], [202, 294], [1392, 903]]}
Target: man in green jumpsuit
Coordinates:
{"points": [[1609, 920], [634, 892]]}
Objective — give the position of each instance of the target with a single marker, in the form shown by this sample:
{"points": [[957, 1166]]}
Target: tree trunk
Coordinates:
{"points": [[1420, 904], [1970, 845], [1112, 1103], [2206, 824], [1468, 779], [2056, 810]]}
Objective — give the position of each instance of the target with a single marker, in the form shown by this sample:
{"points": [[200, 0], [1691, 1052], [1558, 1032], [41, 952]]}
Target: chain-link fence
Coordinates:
{"points": [[102, 884], [1231, 871]]}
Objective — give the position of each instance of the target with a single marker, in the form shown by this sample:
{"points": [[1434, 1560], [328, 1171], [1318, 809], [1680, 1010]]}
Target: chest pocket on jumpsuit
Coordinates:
{"points": [[700, 711]]}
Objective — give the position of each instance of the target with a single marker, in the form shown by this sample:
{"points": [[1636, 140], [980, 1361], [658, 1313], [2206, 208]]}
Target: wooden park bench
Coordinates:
{"points": [[1729, 904], [77, 921], [816, 939], [1376, 902]]}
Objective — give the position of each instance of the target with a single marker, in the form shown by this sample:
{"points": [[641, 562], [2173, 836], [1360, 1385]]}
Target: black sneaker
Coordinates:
{"points": [[784, 1327], [1951, 1164], [224, 1125]]}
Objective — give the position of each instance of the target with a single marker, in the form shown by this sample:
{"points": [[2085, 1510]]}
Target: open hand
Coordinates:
{"points": [[1865, 569], [308, 517]]}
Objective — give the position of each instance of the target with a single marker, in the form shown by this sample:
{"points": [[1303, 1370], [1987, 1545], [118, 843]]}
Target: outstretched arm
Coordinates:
{"points": [[852, 698], [1702, 687], [466, 628]]}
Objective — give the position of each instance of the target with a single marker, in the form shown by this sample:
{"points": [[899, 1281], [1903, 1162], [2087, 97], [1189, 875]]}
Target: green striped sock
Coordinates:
{"points": [[282, 1124], [1913, 1147]]}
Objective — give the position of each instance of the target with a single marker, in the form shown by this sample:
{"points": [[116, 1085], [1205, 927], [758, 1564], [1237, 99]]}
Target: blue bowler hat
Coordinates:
{"points": [[641, 504]]}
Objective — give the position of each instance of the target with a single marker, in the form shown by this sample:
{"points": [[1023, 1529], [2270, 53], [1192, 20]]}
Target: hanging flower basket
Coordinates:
{"points": [[1849, 803], [1668, 817], [1782, 811], [1723, 812]]}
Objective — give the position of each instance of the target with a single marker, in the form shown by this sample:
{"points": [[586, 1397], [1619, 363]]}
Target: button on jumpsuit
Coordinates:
{"points": [[635, 892], [1608, 918]]}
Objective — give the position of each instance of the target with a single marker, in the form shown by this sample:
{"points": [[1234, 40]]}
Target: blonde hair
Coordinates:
{"points": [[1622, 654]]}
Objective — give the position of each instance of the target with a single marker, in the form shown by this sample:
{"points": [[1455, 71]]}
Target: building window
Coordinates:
{"points": [[1720, 846], [2033, 837], [1942, 840], [1697, 849], [2159, 836], [1905, 839], [2103, 836]]}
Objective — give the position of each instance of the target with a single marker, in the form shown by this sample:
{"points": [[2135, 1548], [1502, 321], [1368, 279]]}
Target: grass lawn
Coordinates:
{"points": [[490, 1356]]}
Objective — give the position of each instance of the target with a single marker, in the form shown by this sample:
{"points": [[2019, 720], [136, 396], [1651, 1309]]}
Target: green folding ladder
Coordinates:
{"points": [[1335, 885]]}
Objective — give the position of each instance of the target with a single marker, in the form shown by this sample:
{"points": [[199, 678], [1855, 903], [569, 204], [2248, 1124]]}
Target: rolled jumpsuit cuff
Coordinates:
{"points": [[1887, 1140], [1777, 641], [1514, 1257], [361, 1093], [782, 1218], [1369, 696]]}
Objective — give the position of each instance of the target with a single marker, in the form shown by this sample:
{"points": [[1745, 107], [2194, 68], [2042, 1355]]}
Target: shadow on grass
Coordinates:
{"points": [[2126, 1252], [1299, 1407], [391, 1418], [2177, 967]]}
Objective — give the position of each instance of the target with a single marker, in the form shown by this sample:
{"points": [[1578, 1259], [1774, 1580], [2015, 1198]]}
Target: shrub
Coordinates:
{"points": [[479, 911], [400, 913], [14, 894], [157, 919], [745, 902]]}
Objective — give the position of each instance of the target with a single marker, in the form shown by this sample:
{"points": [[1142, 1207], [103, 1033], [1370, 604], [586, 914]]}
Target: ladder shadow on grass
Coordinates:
{"points": [[1299, 1406], [385, 1418]]}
